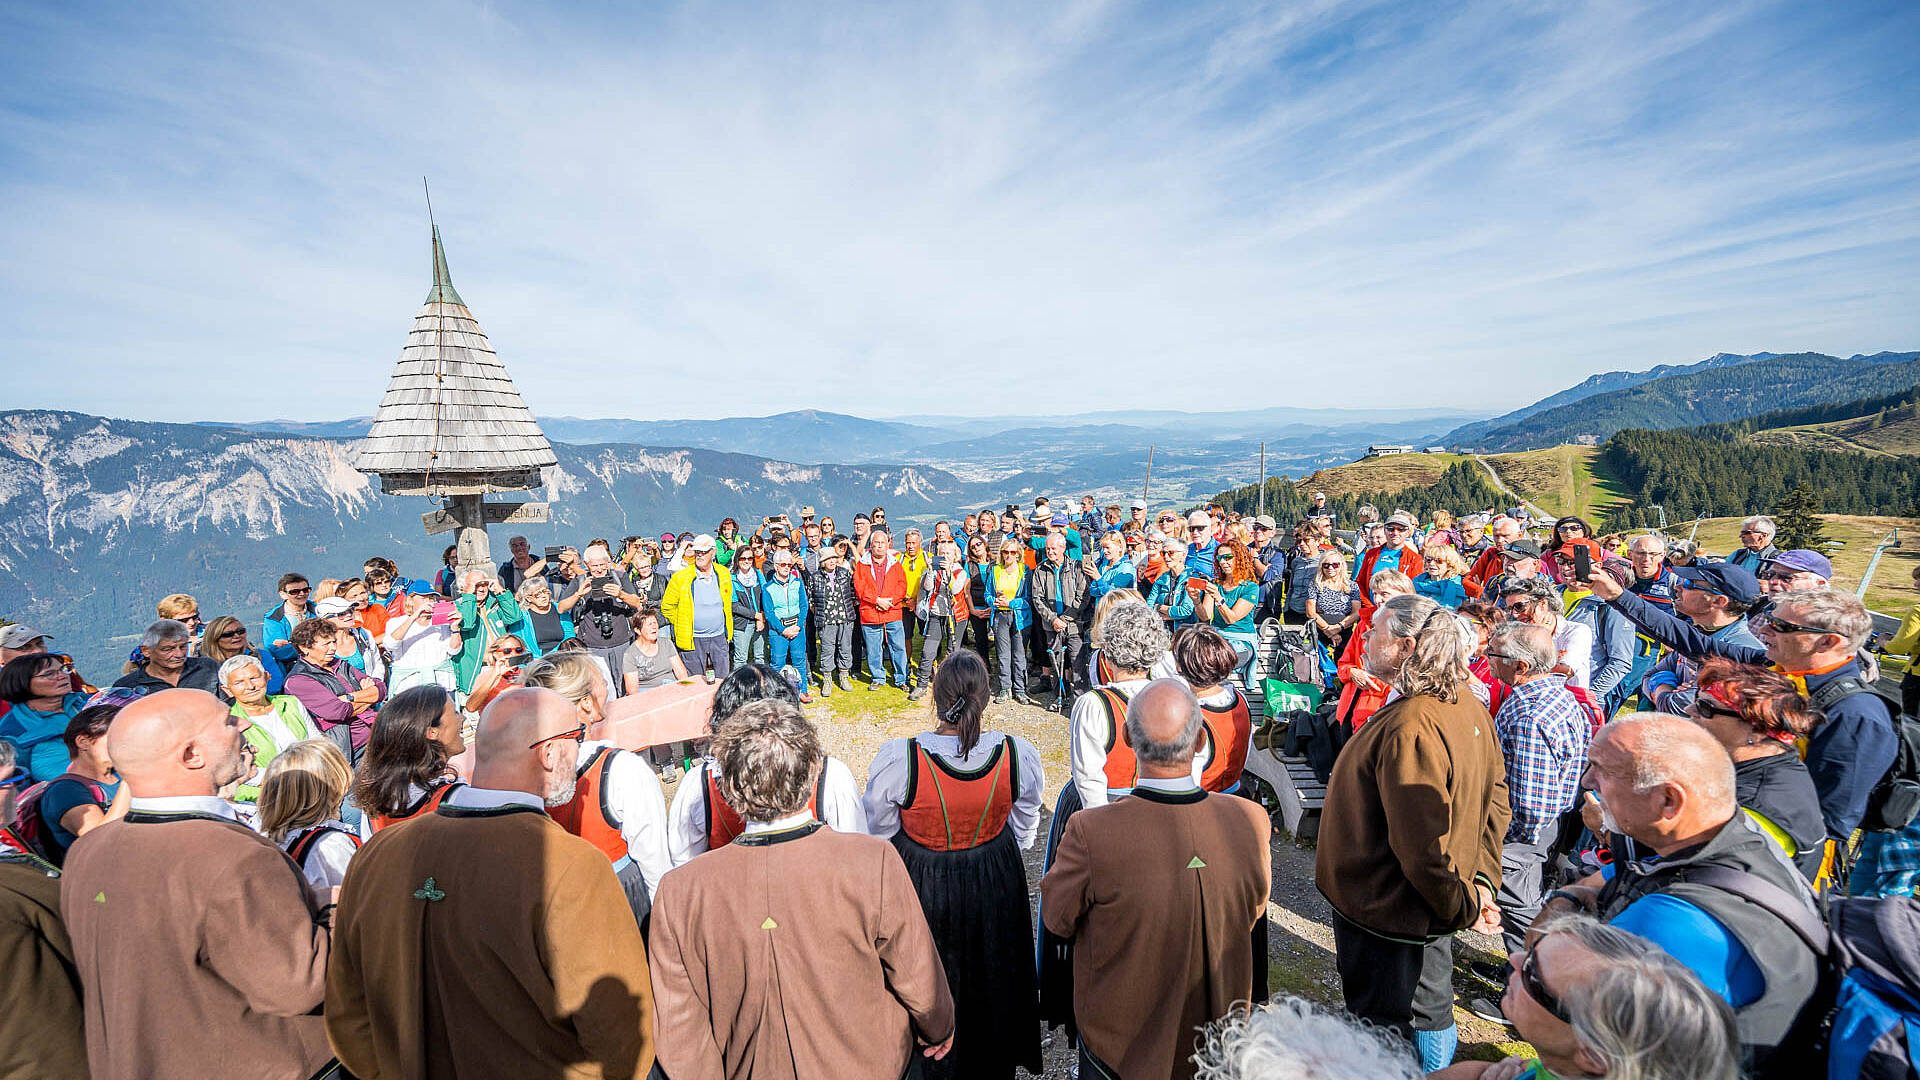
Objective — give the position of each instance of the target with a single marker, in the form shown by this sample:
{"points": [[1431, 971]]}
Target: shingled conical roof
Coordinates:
{"points": [[451, 422]]}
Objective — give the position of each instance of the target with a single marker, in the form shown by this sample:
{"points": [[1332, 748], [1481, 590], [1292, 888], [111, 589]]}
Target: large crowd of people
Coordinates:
{"points": [[383, 838]]}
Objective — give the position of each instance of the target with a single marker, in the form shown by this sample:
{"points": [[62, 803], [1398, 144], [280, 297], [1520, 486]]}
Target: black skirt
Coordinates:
{"points": [[1055, 954], [976, 904]]}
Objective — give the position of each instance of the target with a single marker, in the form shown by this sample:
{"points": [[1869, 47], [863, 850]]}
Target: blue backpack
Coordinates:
{"points": [[1863, 1021]]}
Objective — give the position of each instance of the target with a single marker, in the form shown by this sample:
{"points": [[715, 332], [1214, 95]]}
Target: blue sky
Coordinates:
{"points": [[712, 209]]}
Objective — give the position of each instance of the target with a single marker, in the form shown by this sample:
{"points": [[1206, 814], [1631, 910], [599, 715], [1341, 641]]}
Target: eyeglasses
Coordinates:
{"points": [[1491, 655], [1788, 576], [1537, 987], [1692, 587], [578, 734], [1783, 626]]}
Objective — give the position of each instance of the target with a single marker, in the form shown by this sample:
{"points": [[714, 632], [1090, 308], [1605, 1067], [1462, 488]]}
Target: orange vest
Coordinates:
{"points": [[1229, 732], [428, 804], [588, 816], [1122, 768], [724, 823], [979, 802]]}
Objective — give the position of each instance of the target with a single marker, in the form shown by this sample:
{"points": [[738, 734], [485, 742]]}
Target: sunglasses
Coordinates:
{"points": [[1537, 987], [578, 734], [1702, 709], [1783, 626], [300, 591], [232, 635], [1491, 655], [1198, 528]]}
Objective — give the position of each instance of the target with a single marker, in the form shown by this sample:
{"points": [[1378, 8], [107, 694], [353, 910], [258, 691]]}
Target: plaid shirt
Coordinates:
{"points": [[1543, 734], [1889, 863]]}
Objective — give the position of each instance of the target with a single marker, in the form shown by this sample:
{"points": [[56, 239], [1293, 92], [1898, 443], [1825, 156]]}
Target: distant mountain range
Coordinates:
{"points": [[101, 517], [1722, 388], [816, 436]]}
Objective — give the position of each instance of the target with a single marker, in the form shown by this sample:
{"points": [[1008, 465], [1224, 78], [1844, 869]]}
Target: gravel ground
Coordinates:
{"points": [[853, 725]]}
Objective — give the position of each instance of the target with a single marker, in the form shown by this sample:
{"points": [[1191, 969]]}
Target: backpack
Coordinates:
{"points": [[1595, 714], [1863, 1020], [31, 826], [1895, 800]]}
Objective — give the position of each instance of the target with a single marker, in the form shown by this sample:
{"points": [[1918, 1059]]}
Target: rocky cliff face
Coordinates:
{"points": [[99, 518]]}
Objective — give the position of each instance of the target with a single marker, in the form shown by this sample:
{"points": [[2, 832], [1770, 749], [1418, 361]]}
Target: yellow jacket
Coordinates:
{"points": [[911, 568], [676, 604], [1906, 643]]}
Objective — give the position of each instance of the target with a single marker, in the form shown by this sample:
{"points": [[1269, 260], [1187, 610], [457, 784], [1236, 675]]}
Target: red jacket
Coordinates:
{"points": [[1410, 564], [1357, 705], [1485, 569], [890, 583]]}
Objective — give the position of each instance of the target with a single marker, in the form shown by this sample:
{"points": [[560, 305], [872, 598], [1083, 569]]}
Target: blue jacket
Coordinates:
{"points": [[1615, 640], [784, 601], [1685, 671], [1171, 589], [523, 629], [1022, 607], [1446, 591], [1119, 575], [1846, 755], [277, 627]]}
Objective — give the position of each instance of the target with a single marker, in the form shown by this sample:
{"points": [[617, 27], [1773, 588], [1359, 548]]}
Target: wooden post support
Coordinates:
{"points": [[470, 535]]}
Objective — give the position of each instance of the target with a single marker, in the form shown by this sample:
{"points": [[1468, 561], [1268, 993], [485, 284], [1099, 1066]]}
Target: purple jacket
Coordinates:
{"points": [[324, 691]]}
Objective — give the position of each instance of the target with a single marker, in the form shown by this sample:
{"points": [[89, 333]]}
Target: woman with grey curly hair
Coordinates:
{"points": [[1410, 833], [1298, 1040]]}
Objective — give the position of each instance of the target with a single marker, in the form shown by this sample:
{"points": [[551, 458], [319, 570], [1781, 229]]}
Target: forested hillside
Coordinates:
{"points": [[1711, 396], [1692, 473], [1463, 488]]}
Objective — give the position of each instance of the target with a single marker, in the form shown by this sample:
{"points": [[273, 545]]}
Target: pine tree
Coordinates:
{"points": [[1797, 521]]}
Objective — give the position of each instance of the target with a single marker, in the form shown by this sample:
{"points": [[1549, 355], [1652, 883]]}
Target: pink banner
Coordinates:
{"points": [[665, 714]]}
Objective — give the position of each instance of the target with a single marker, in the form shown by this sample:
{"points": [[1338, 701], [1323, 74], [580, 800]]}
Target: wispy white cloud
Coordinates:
{"points": [[710, 209]]}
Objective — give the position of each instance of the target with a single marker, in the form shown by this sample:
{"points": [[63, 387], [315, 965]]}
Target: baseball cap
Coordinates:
{"points": [[1264, 522], [1319, 495], [1137, 504], [1811, 562], [1401, 517], [703, 542], [419, 588], [1059, 519], [667, 538], [1736, 582], [19, 635], [1523, 549], [332, 605]]}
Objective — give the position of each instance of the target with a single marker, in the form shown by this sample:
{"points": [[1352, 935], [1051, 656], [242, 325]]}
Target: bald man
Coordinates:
{"points": [[483, 940], [201, 951], [1694, 875], [1159, 893]]}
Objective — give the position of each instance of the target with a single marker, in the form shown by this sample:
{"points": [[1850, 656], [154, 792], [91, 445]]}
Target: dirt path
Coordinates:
{"points": [[1538, 513]]}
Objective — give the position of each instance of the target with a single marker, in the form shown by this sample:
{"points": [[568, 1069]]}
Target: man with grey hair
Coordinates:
{"points": [[1812, 636], [1695, 876], [1161, 890], [164, 664], [795, 950], [1756, 544], [1543, 734], [1409, 849]]}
